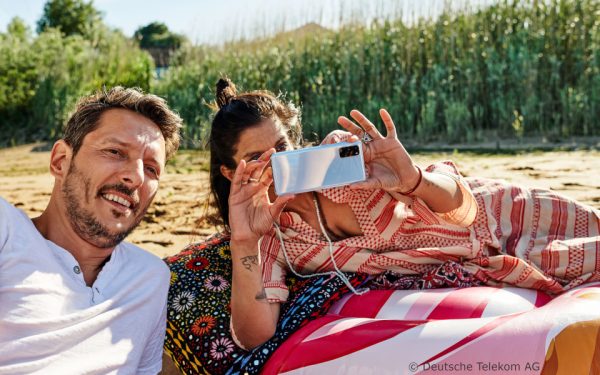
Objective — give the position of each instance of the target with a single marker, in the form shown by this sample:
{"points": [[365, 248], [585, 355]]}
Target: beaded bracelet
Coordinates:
{"points": [[416, 185]]}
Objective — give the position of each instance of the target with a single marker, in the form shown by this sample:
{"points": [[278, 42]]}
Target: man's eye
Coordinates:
{"points": [[153, 171], [254, 157], [113, 151]]}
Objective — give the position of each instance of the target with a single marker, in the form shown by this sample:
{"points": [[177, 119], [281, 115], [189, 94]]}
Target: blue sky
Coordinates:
{"points": [[216, 21]]}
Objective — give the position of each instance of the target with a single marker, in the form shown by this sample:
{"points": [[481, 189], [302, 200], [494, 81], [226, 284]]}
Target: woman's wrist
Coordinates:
{"points": [[415, 182], [247, 243]]}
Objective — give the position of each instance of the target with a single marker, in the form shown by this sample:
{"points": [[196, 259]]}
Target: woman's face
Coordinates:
{"points": [[257, 139]]}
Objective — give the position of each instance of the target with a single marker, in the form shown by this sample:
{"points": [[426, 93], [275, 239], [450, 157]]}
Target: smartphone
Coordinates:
{"points": [[320, 167]]}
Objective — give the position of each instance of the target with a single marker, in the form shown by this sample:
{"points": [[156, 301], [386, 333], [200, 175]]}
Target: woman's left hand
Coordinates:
{"points": [[389, 164]]}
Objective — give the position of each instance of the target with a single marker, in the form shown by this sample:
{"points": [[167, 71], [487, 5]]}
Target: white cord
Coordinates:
{"points": [[337, 271]]}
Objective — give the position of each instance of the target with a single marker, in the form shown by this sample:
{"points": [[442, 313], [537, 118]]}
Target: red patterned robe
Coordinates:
{"points": [[531, 238]]}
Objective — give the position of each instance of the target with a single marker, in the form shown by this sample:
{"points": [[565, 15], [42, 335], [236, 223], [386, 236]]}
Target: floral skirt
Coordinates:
{"points": [[198, 313]]}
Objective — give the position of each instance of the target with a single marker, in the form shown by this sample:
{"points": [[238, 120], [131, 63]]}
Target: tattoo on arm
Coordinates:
{"points": [[248, 261], [261, 296]]}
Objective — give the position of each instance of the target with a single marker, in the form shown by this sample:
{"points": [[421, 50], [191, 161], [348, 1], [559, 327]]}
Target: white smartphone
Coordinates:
{"points": [[320, 167]]}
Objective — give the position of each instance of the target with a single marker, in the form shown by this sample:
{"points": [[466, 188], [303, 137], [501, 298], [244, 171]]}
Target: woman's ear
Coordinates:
{"points": [[227, 173]]}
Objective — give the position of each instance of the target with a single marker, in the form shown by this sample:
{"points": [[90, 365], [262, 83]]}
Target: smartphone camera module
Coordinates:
{"points": [[349, 151]]}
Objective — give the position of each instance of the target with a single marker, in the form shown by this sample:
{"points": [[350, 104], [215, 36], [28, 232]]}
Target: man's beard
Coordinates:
{"points": [[83, 221]]}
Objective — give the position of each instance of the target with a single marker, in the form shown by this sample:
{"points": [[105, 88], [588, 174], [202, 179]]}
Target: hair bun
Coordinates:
{"points": [[225, 92]]}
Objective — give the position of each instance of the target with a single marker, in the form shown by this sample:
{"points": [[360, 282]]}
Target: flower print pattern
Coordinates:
{"points": [[183, 301], [197, 264], [198, 338], [192, 331], [203, 325], [216, 283], [221, 347], [225, 252]]}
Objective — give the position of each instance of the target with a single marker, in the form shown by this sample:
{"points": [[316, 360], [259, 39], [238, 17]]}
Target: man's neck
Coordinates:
{"points": [[58, 229]]}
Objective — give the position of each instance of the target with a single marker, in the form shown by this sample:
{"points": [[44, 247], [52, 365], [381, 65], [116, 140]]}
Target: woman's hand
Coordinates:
{"points": [[251, 213], [390, 166]]}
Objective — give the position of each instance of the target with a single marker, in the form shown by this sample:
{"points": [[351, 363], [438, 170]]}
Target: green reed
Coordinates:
{"points": [[514, 69]]}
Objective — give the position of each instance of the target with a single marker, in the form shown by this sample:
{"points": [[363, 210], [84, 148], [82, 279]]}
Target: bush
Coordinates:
{"points": [[41, 79]]}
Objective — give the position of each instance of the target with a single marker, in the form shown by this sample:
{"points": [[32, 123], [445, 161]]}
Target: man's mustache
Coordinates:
{"points": [[123, 190]]}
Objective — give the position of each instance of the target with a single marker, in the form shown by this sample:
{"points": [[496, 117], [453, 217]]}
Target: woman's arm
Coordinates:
{"points": [[253, 318], [440, 192], [251, 215], [392, 169]]}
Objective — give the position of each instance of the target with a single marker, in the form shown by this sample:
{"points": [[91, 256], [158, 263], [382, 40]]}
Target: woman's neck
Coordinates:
{"points": [[303, 205]]}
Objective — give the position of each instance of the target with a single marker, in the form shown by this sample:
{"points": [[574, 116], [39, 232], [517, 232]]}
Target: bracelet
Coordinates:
{"points": [[416, 185]]}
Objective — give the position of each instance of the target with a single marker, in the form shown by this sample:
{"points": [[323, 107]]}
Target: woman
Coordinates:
{"points": [[402, 218]]}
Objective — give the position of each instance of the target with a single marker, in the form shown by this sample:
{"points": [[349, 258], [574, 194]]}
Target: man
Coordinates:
{"points": [[74, 299]]}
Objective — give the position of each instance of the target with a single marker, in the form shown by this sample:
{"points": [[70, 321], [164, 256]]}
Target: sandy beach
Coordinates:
{"points": [[173, 221]]}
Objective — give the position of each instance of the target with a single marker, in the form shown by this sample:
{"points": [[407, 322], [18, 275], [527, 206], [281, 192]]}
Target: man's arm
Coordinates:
{"points": [[151, 362], [4, 222]]}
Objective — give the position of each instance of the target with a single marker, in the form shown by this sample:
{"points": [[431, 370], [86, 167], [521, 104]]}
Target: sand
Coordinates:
{"points": [[173, 221]]}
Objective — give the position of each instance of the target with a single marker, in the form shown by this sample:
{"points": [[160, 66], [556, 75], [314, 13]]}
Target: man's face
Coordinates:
{"points": [[113, 178]]}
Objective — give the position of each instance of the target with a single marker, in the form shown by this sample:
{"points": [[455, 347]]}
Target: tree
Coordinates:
{"points": [[158, 35], [70, 17], [18, 29], [159, 41]]}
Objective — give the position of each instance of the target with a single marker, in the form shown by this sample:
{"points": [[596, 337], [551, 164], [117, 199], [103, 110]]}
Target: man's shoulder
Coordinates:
{"points": [[13, 221], [142, 259], [7, 208]]}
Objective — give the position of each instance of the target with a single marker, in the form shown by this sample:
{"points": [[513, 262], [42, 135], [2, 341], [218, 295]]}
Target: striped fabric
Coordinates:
{"points": [[477, 330], [502, 233]]}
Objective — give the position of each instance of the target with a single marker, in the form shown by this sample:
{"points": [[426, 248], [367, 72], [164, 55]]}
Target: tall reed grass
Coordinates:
{"points": [[512, 69]]}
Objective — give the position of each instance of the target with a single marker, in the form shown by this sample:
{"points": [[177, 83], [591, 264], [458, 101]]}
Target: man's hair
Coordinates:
{"points": [[89, 109]]}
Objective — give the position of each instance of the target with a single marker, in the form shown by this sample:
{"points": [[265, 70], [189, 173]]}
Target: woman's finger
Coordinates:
{"points": [[347, 124], [368, 184], [266, 155], [257, 170], [366, 124], [236, 181], [264, 162], [266, 179], [251, 168], [278, 206], [367, 152], [389, 124]]}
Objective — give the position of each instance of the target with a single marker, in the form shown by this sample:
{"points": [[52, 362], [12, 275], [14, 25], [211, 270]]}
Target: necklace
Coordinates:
{"points": [[321, 219], [337, 271]]}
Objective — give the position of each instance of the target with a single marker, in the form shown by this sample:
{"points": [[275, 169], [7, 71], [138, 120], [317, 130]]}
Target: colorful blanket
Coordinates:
{"points": [[198, 337]]}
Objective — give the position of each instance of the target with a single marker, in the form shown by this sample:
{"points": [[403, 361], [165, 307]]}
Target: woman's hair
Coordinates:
{"points": [[236, 113]]}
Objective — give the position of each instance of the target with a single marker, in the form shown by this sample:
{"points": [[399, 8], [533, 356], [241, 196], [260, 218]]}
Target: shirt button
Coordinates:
{"points": [[77, 270]]}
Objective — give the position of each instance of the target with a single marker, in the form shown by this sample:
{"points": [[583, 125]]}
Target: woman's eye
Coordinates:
{"points": [[281, 147], [254, 157], [113, 151]]}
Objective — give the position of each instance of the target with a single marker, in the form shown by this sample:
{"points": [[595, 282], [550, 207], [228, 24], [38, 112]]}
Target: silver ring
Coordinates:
{"points": [[253, 180], [366, 138]]}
